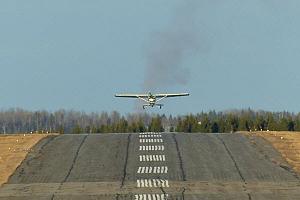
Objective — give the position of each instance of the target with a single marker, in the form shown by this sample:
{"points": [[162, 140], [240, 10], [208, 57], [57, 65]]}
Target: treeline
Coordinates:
{"points": [[239, 120], [62, 121]]}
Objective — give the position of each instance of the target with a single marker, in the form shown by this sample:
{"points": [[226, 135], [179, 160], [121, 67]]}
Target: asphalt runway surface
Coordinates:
{"points": [[152, 166]]}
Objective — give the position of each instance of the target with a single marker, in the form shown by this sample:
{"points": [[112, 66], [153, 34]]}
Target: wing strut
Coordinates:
{"points": [[161, 98], [142, 99]]}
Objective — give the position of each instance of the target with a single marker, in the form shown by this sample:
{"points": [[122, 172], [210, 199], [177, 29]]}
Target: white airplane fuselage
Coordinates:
{"points": [[152, 99]]}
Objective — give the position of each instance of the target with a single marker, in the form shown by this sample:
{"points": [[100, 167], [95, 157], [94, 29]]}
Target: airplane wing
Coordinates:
{"points": [[132, 95], [172, 95]]}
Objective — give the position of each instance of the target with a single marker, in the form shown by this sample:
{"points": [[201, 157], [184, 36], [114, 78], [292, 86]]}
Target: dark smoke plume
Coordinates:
{"points": [[170, 47]]}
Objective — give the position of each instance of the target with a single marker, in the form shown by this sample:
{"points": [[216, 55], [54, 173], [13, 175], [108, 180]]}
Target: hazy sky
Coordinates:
{"points": [[78, 54]]}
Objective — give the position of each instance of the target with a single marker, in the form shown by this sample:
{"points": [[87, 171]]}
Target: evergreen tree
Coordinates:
{"points": [[271, 122], [205, 124], [234, 123], [260, 123], [283, 124], [290, 124], [141, 126], [77, 129], [156, 125], [215, 127], [179, 127], [222, 124], [172, 129], [244, 124]]}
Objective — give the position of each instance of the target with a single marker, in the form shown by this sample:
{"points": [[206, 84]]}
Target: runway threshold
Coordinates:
{"points": [[152, 166]]}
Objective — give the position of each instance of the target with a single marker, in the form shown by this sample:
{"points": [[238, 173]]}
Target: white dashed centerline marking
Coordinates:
{"points": [[151, 196], [152, 137], [154, 170], [152, 158], [150, 133], [151, 140], [141, 183], [152, 148]]}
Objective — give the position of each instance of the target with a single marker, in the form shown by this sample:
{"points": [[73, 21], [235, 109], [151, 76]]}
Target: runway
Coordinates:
{"points": [[152, 166]]}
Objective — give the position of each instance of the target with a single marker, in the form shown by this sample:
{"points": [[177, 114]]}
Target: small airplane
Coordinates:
{"points": [[150, 98]]}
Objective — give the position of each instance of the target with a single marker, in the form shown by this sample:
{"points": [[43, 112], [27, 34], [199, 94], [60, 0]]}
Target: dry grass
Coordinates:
{"points": [[13, 150], [287, 143]]}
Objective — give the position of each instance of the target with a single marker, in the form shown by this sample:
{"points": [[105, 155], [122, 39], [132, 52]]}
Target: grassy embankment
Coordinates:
{"points": [[13, 150], [287, 143]]}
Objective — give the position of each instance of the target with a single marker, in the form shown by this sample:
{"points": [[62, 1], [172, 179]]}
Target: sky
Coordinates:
{"points": [[75, 54]]}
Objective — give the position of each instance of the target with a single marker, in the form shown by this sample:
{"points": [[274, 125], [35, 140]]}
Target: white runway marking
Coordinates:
{"points": [[150, 136], [153, 170], [138, 183], [143, 169], [150, 133], [141, 183], [151, 140], [151, 196], [152, 148], [146, 183], [152, 158]]}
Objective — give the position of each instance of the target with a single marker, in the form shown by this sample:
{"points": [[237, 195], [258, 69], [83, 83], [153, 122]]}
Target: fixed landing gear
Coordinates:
{"points": [[145, 105], [159, 105]]}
